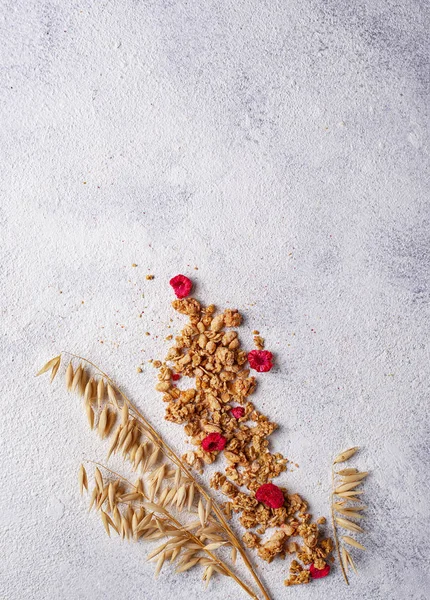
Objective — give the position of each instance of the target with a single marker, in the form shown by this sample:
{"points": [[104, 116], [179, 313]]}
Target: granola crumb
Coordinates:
{"points": [[139, 369], [134, 265], [149, 277], [321, 521], [259, 342]]}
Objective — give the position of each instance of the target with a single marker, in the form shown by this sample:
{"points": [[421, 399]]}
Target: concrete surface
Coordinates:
{"points": [[281, 148]]}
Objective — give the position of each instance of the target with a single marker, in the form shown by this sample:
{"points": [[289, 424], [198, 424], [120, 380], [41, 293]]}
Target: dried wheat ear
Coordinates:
{"points": [[345, 508], [165, 502]]}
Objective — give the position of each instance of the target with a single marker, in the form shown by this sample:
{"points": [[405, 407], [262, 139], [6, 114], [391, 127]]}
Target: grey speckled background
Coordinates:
{"points": [[281, 147]]}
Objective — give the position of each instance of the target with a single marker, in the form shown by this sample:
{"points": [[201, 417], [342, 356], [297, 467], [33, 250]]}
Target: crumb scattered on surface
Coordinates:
{"points": [[134, 265], [149, 277], [139, 369], [259, 342]]}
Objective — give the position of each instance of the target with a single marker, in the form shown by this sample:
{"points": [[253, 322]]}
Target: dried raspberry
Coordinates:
{"points": [[318, 573], [270, 495], [176, 376], [237, 412], [181, 285], [260, 360], [214, 442]]}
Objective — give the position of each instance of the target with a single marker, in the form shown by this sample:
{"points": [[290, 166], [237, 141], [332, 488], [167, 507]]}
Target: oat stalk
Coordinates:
{"points": [[346, 490], [86, 387]]}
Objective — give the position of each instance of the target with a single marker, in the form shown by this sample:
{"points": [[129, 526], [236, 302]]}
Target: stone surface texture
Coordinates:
{"points": [[281, 148]]}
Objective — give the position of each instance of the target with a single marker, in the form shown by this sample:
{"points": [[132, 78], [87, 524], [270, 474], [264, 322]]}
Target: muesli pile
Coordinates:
{"points": [[219, 418]]}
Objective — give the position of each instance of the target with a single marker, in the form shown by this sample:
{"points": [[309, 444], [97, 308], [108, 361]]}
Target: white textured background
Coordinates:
{"points": [[280, 147]]}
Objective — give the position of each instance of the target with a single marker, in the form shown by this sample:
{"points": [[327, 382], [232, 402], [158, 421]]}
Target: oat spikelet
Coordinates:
{"points": [[90, 415], [346, 487], [69, 376], [345, 455], [77, 378], [346, 524], [356, 477], [103, 420], [112, 395], [100, 391], [54, 363], [349, 471], [83, 479], [349, 540]]}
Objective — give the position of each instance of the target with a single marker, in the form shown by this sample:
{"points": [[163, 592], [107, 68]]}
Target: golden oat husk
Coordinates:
{"points": [[349, 512], [349, 525], [233, 555], [88, 393], [103, 497], [346, 487], [350, 495], [83, 479], [69, 376], [349, 540], [345, 455], [188, 565], [355, 477], [202, 514], [90, 415], [345, 558], [349, 471], [208, 509], [191, 492], [112, 395], [100, 391], [114, 442], [77, 378], [54, 363], [102, 425], [215, 545], [124, 414], [99, 479], [160, 564], [93, 498], [82, 382], [55, 368], [351, 562]]}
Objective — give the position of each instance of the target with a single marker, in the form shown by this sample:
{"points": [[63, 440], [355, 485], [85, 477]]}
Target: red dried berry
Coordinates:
{"points": [[260, 360], [318, 573], [270, 495], [214, 442], [176, 376], [238, 412], [181, 285]]}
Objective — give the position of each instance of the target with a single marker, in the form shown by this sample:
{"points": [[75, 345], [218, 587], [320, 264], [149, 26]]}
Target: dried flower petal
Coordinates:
{"points": [[176, 376], [319, 573], [270, 495], [237, 412], [214, 442], [260, 360], [181, 285]]}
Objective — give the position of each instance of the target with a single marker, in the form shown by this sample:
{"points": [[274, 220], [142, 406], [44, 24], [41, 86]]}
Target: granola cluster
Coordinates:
{"points": [[212, 356]]}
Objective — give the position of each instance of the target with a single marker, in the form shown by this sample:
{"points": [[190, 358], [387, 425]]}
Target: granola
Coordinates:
{"points": [[211, 355]]}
